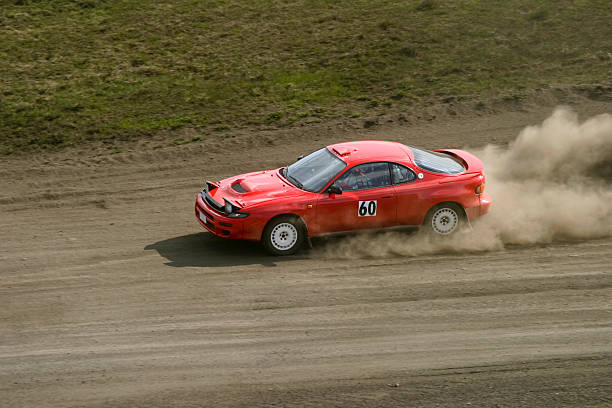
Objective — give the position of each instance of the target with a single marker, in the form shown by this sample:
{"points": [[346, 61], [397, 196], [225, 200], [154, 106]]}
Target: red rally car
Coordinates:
{"points": [[345, 187]]}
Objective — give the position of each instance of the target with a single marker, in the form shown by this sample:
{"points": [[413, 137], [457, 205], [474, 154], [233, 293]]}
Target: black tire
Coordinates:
{"points": [[444, 219], [284, 235]]}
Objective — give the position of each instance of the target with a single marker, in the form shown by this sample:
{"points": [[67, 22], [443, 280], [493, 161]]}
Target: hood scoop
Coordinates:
{"points": [[239, 188]]}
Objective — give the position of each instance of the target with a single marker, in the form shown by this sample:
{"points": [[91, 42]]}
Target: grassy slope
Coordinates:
{"points": [[75, 70]]}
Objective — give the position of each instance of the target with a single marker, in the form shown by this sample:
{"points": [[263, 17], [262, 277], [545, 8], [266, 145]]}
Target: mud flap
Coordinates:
{"points": [[467, 227], [309, 242]]}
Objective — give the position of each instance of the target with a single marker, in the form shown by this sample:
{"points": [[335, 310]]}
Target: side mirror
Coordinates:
{"points": [[300, 157], [334, 189]]}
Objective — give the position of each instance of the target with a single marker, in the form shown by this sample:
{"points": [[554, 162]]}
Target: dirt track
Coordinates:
{"points": [[112, 295]]}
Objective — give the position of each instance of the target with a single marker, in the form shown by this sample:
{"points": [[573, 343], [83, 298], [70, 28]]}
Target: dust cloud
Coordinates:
{"points": [[553, 182]]}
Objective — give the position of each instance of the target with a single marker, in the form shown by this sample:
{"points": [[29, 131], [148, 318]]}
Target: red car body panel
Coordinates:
{"points": [[267, 194], [335, 213]]}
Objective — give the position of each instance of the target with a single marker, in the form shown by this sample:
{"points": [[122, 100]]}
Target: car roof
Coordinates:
{"points": [[371, 150]]}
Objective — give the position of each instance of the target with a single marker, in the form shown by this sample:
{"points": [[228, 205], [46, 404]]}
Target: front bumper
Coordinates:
{"points": [[216, 223]]}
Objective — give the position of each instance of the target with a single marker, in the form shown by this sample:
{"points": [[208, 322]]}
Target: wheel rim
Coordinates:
{"points": [[284, 236], [445, 221]]}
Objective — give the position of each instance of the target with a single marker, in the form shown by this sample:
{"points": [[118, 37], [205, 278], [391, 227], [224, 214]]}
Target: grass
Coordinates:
{"points": [[73, 71]]}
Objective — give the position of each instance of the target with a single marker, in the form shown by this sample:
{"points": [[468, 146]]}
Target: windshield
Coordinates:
{"points": [[436, 162], [314, 171]]}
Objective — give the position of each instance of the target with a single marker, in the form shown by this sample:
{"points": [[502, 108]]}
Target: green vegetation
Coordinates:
{"points": [[78, 70]]}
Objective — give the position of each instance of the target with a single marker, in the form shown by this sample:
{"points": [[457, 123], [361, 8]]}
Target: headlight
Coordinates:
{"points": [[228, 207], [231, 210]]}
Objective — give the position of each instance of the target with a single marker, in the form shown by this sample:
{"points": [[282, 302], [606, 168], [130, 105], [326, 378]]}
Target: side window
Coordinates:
{"points": [[401, 174], [364, 176]]}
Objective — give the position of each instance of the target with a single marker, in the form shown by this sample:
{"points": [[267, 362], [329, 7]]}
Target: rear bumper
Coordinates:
{"points": [[483, 204], [216, 223]]}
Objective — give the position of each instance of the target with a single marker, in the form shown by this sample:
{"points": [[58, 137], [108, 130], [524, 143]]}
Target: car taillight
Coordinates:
{"points": [[480, 188]]}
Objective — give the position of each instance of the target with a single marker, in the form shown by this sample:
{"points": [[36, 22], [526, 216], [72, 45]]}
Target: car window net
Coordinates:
{"points": [[401, 174], [364, 176]]}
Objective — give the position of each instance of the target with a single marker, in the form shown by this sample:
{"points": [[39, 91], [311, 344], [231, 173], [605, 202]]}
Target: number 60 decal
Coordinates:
{"points": [[367, 208]]}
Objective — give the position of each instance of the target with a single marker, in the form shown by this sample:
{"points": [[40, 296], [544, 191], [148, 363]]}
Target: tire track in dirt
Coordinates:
{"points": [[131, 304]]}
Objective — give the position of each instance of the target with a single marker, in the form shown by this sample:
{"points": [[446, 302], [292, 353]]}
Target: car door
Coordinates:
{"points": [[409, 190], [367, 200]]}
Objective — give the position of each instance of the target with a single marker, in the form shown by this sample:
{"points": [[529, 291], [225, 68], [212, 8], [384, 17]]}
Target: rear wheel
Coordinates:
{"points": [[284, 235], [444, 219]]}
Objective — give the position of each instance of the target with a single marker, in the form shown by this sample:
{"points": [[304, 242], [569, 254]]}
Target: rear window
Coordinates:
{"points": [[436, 162]]}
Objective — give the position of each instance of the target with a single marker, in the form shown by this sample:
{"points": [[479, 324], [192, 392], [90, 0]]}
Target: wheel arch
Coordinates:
{"points": [[455, 204], [287, 214]]}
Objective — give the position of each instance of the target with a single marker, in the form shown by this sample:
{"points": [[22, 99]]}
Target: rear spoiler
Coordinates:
{"points": [[471, 163]]}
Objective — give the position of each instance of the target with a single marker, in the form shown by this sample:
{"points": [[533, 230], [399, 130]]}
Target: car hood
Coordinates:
{"points": [[252, 189]]}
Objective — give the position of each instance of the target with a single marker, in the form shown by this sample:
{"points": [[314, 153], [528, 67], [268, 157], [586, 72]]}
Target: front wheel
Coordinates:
{"points": [[444, 219], [284, 235]]}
